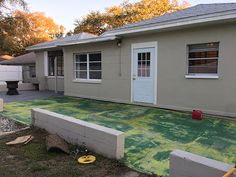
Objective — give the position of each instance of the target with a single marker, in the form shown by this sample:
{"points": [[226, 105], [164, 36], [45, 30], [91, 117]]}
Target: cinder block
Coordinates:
{"points": [[101, 136], [186, 164], [120, 152], [121, 140], [71, 126], [1, 105], [102, 140], [101, 148]]}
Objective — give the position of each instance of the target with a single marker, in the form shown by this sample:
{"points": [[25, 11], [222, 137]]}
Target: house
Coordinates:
{"points": [[27, 61], [183, 60]]}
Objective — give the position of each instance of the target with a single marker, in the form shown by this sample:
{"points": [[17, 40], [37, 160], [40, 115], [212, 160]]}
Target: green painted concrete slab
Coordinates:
{"points": [[151, 133]]}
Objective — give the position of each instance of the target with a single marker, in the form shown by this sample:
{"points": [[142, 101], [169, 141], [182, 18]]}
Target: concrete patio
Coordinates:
{"points": [[28, 95]]}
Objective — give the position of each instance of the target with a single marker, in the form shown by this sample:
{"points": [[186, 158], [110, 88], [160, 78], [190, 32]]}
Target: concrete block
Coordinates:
{"points": [[101, 135], [102, 149], [186, 164], [100, 139], [1, 105], [75, 127]]}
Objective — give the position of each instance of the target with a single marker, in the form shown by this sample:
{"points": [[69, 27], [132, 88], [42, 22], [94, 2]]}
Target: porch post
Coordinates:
{"points": [[55, 73]]}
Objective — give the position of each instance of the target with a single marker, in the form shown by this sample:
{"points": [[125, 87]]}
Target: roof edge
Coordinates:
{"points": [[83, 41], [182, 22]]}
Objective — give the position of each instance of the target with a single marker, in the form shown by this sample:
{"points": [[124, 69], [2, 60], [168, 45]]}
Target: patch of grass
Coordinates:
{"points": [[34, 152], [3, 147], [36, 167], [4, 172], [32, 160]]}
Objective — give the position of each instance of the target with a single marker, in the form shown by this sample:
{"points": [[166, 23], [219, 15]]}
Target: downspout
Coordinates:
{"points": [[55, 70], [119, 42]]}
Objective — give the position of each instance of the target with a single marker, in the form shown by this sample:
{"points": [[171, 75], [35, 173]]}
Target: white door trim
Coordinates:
{"points": [[154, 45], [45, 60]]}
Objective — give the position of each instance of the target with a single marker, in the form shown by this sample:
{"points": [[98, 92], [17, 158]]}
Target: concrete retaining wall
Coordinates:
{"points": [[185, 164], [102, 140]]}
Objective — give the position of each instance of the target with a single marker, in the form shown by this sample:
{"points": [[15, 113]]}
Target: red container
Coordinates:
{"points": [[197, 115]]}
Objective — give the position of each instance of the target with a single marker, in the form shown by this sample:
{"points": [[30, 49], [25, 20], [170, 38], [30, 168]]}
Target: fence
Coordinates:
{"points": [[10, 73]]}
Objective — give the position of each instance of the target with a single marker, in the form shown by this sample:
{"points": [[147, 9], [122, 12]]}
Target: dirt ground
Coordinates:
{"points": [[33, 160]]}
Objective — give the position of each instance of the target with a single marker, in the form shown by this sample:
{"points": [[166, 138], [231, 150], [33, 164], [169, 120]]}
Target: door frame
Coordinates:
{"points": [[153, 44]]}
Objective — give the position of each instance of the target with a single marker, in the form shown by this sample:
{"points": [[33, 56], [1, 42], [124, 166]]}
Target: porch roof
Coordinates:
{"points": [[63, 40], [25, 59]]}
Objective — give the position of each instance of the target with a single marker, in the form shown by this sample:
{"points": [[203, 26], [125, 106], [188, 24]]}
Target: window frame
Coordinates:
{"points": [[202, 75], [50, 58], [87, 79], [34, 71], [53, 57]]}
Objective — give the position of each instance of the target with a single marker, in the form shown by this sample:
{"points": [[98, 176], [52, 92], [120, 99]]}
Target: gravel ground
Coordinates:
{"points": [[7, 125]]}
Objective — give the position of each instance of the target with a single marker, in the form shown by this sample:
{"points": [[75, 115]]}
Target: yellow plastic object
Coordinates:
{"points": [[87, 159], [230, 172]]}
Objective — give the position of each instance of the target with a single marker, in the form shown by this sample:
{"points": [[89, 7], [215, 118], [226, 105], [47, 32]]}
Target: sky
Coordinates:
{"points": [[64, 12]]}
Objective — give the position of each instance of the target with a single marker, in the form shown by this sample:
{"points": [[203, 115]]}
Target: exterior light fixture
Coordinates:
{"points": [[119, 43]]}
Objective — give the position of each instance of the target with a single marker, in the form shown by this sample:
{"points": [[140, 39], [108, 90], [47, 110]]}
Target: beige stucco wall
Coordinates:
{"points": [[51, 83], [40, 70], [174, 91], [113, 86]]}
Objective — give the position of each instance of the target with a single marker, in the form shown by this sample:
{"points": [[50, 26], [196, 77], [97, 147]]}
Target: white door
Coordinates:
{"points": [[143, 75]]}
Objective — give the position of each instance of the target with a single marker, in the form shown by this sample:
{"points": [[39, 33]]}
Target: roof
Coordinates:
{"points": [[196, 15], [55, 43], [28, 58], [1, 59], [201, 10]]}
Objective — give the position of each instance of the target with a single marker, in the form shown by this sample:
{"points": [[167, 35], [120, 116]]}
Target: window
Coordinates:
{"points": [[32, 71], [203, 58], [51, 66], [88, 66], [60, 66], [52, 55], [144, 64]]}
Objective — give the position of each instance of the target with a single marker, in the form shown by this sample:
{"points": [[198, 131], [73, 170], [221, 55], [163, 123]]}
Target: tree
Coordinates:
{"points": [[8, 4], [116, 16], [92, 23], [21, 29], [3, 3]]}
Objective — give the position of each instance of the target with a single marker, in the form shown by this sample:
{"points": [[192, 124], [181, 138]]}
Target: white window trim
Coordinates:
{"points": [[92, 81], [52, 77], [201, 75], [86, 80], [45, 63]]}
